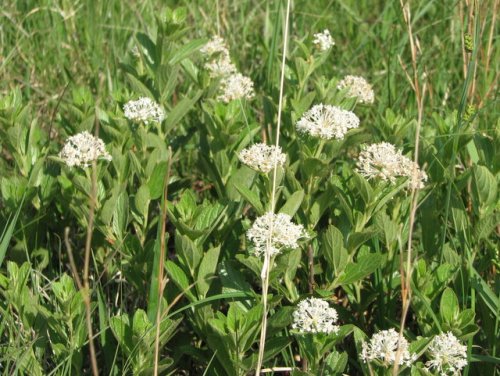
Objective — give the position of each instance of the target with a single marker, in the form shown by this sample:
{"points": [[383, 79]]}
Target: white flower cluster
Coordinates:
{"points": [[236, 86], [357, 87], [385, 162], [221, 67], [383, 347], [214, 46], [219, 62], [272, 232], [143, 110], [315, 316], [83, 148], [327, 122], [449, 356], [324, 40], [262, 157]]}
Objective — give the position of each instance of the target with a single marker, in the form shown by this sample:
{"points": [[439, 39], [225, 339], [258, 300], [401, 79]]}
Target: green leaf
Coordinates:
{"points": [[333, 249], [156, 180], [187, 50], [293, 203], [318, 207], [206, 271], [484, 186], [364, 266], [356, 239], [141, 200], [466, 317], [486, 293], [363, 187], [140, 325], [8, 231], [448, 308], [138, 86], [251, 197], [232, 280], [335, 363], [120, 326], [180, 279], [180, 110], [189, 252], [275, 345], [120, 216], [244, 176]]}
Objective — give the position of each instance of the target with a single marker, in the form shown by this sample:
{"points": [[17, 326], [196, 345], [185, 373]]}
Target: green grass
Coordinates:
{"points": [[68, 66]]}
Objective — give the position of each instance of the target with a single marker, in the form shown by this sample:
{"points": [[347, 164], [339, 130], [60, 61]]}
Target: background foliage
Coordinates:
{"points": [[68, 66]]}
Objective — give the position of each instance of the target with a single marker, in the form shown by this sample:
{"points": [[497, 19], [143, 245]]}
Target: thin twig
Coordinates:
{"points": [[88, 244], [161, 264], [490, 39], [267, 257], [72, 264], [406, 273], [310, 261], [277, 369]]}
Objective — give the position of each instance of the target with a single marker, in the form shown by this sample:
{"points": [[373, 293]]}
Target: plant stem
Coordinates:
{"points": [[310, 262], [86, 285], [161, 264], [420, 96], [267, 258]]}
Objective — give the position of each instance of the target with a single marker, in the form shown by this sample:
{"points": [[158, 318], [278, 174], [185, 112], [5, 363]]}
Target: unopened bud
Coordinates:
{"points": [[468, 42]]}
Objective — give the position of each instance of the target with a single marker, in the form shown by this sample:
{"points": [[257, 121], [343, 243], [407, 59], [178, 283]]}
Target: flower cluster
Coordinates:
{"points": [[385, 162], [272, 232], [262, 157], [220, 67], [315, 316], [324, 40], [236, 86], [449, 356], [83, 148], [383, 347], [327, 122], [214, 46], [357, 87], [219, 62], [143, 110]]}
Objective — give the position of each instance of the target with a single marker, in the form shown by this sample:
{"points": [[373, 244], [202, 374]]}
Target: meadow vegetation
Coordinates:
{"points": [[248, 187]]}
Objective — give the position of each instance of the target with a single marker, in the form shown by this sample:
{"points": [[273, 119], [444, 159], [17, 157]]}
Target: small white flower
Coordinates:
{"points": [[385, 162], [214, 46], [221, 66], [449, 356], [219, 62], [83, 148], [327, 122], [262, 157], [357, 87], [324, 40], [315, 316], [383, 347], [236, 86], [272, 232], [143, 110]]}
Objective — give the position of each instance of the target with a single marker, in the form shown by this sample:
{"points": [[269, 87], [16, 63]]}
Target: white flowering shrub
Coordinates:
{"points": [[180, 195]]}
